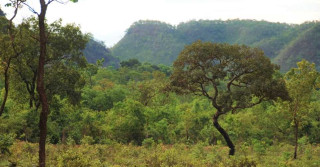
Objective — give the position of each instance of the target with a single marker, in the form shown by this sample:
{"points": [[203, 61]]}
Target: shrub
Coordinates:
{"points": [[6, 140], [87, 140], [148, 142]]}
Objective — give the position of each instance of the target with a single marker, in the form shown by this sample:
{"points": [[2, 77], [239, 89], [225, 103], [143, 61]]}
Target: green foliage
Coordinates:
{"points": [[304, 46], [160, 43], [87, 140], [2, 13], [231, 76], [96, 50], [130, 63], [76, 159], [6, 140], [95, 108], [97, 100], [127, 121], [148, 142], [24, 154], [301, 83], [149, 41]]}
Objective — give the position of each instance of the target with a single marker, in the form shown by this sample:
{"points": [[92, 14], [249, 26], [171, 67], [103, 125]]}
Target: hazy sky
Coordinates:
{"points": [[108, 20]]}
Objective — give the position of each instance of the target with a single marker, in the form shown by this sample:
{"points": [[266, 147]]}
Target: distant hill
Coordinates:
{"points": [[149, 41], [2, 13], [160, 43], [305, 46], [97, 50]]}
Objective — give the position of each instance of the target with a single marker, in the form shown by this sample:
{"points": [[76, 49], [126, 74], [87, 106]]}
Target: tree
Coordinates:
{"points": [[130, 63], [146, 91], [43, 41], [9, 50], [232, 77], [301, 83], [63, 61]]}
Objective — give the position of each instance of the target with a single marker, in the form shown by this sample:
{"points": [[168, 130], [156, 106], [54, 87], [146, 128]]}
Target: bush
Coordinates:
{"points": [[6, 140], [148, 142], [78, 158], [87, 140]]}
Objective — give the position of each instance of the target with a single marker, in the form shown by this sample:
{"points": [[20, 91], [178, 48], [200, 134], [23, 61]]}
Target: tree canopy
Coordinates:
{"points": [[232, 77]]}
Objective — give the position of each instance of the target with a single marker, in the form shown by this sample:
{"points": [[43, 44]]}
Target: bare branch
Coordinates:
{"points": [[50, 1], [30, 8], [61, 2], [204, 92], [236, 77]]}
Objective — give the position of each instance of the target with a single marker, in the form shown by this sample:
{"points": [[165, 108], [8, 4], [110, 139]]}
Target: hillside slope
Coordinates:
{"points": [[149, 41], [160, 43], [97, 50], [305, 46]]}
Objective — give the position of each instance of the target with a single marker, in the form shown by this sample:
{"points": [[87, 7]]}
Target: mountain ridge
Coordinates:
{"points": [[160, 43]]}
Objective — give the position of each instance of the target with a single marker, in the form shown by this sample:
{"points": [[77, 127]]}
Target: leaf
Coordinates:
{"points": [[8, 5]]}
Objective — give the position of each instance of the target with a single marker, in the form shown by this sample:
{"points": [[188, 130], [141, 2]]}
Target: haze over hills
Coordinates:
{"points": [[96, 50], [160, 43]]}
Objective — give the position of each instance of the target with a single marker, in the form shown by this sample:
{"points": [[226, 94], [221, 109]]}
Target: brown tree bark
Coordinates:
{"points": [[40, 85], [296, 131], [6, 86], [223, 133], [6, 69], [296, 140]]}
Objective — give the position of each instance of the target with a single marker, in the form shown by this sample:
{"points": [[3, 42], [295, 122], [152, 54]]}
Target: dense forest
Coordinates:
{"points": [[163, 96], [96, 50], [160, 43]]}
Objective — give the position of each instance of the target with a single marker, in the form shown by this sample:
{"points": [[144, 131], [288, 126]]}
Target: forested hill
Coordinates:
{"points": [[2, 13], [96, 50], [160, 43]]}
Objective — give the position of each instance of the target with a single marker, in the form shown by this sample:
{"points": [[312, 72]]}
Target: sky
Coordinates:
{"points": [[108, 20]]}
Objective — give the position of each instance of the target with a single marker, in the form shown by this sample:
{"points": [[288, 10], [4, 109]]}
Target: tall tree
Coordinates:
{"points": [[9, 51], [301, 83], [65, 44], [232, 77], [43, 40]]}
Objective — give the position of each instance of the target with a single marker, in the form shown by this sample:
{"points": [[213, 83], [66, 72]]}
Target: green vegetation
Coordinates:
{"points": [[199, 155], [128, 117], [161, 43], [305, 46], [145, 114], [232, 77], [149, 41], [96, 50], [2, 13]]}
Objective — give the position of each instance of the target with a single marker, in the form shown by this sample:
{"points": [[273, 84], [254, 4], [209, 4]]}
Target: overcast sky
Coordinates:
{"points": [[108, 20]]}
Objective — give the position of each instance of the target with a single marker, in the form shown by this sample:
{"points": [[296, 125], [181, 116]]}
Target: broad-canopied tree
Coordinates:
{"points": [[232, 77]]}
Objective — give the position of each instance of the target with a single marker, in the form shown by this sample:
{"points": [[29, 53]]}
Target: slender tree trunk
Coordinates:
{"points": [[31, 103], [6, 86], [40, 86], [296, 131], [6, 70], [32, 98], [223, 133], [63, 137], [31, 90], [296, 141]]}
